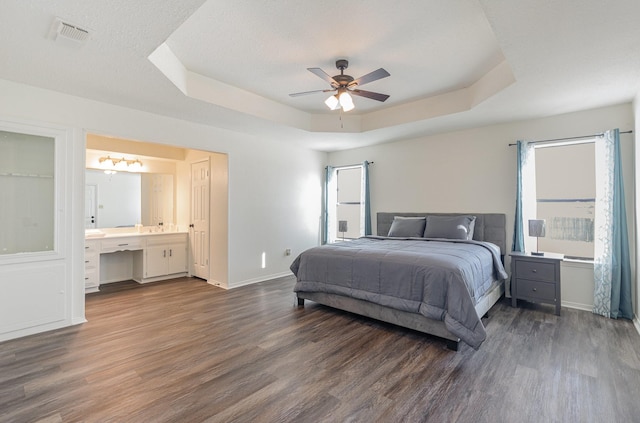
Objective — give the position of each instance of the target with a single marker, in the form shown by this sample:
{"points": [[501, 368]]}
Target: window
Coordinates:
{"points": [[565, 197], [348, 205]]}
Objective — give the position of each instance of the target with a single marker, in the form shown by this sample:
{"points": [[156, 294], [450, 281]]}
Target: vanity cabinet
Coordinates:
{"points": [[165, 255], [91, 265], [145, 257]]}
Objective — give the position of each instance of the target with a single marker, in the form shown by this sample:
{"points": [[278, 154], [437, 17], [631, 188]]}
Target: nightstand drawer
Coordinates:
{"points": [[536, 290], [536, 270]]}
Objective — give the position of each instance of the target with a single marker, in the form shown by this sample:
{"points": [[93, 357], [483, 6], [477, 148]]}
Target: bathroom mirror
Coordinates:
{"points": [[123, 199]]}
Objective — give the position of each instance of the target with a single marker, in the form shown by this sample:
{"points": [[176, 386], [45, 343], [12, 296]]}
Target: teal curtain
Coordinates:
{"points": [[612, 268], [367, 198], [329, 172], [518, 228], [525, 192]]}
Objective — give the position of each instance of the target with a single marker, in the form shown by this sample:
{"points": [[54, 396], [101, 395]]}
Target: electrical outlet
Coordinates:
{"points": [[287, 252]]}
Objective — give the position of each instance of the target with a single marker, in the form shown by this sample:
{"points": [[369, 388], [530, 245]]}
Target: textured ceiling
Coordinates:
{"points": [[232, 63]]}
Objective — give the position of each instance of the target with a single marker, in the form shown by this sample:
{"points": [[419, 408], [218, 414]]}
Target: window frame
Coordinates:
{"points": [[332, 208], [554, 144]]}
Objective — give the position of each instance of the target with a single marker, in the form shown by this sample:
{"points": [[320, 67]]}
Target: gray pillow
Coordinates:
{"points": [[450, 227], [407, 227]]}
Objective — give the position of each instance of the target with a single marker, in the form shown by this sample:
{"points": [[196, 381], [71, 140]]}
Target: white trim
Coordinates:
{"points": [[259, 279], [577, 306], [636, 323], [578, 264], [19, 333]]}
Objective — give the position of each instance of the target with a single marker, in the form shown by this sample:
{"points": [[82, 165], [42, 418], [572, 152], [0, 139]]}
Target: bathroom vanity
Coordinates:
{"points": [[144, 257]]}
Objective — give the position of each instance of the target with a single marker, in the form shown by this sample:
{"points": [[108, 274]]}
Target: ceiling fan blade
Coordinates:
{"points": [[322, 74], [369, 94], [309, 92], [370, 77]]}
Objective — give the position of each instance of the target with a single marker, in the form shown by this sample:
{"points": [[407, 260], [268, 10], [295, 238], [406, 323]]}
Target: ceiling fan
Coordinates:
{"points": [[344, 85]]}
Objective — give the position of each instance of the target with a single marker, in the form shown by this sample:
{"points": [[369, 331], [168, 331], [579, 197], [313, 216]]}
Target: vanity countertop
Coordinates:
{"points": [[119, 233]]}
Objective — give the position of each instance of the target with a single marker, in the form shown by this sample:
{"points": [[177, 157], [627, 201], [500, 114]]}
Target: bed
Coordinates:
{"points": [[428, 279]]}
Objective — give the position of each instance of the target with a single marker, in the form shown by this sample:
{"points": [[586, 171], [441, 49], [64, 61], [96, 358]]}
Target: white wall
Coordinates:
{"points": [[474, 171], [274, 187]]}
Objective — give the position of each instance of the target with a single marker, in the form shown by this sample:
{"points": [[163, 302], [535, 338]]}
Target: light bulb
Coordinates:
{"points": [[121, 164], [332, 102], [135, 165], [106, 162], [346, 101]]}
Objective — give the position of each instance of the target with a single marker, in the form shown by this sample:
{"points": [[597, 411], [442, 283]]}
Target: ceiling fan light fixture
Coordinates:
{"points": [[332, 102], [346, 101], [345, 86]]}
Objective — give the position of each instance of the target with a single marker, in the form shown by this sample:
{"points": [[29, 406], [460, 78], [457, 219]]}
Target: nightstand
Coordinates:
{"points": [[536, 278]]}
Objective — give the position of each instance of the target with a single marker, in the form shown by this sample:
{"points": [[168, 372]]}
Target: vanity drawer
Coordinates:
{"points": [[535, 290], [122, 244], [91, 247], [91, 260], [536, 270], [91, 277]]}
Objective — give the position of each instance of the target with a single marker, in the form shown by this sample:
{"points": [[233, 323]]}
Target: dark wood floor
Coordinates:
{"points": [[185, 351]]}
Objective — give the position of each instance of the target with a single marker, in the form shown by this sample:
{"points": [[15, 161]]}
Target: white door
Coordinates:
{"points": [[200, 219], [90, 207]]}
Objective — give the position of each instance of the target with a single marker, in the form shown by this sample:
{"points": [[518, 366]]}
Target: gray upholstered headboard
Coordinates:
{"points": [[490, 227]]}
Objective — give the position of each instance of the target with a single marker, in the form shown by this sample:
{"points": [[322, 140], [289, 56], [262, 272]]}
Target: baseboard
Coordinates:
{"points": [[636, 323], [217, 283], [20, 333], [577, 306], [78, 321], [260, 279]]}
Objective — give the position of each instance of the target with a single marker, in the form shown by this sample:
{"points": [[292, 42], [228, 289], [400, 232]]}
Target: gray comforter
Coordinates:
{"points": [[440, 279]]}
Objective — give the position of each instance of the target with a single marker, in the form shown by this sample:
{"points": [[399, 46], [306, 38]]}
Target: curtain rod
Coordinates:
{"points": [[570, 138]]}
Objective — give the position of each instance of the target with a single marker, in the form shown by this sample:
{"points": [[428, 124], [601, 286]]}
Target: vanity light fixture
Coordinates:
{"points": [[111, 165], [107, 162], [121, 165], [134, 165]]}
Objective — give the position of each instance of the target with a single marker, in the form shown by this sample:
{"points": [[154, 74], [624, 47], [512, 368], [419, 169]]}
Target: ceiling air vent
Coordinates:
{"points": [[69, 34]]}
